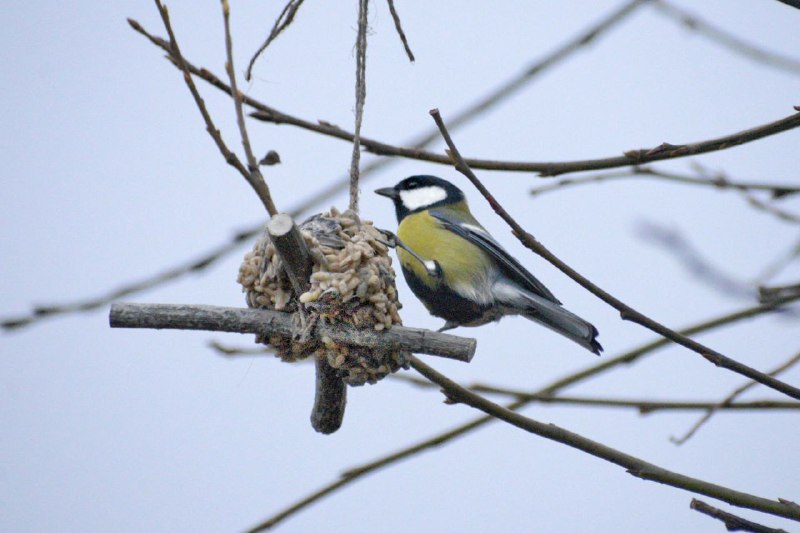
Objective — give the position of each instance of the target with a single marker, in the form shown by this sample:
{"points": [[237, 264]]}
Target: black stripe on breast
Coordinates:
{"points": [[444, 302]]}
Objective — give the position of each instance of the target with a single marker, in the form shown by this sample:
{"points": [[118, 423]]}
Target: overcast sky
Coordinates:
{"points": [[110, 177]]}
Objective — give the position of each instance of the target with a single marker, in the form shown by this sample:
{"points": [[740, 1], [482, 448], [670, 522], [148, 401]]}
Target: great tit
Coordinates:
{"points": [[461, 274]]}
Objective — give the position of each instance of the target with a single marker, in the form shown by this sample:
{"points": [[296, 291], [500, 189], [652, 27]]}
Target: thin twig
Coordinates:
{"points": [[259, 186], [770, 294], [780, 214], [633, 465], [728, 400], [252, 162], [361, 95], [757, 203], [718, 180], [399, 27], [731, 521], [239, 351], [354, 473], [281, 23], [727, 39], [776, 190], [642, 405], [626, 311]]}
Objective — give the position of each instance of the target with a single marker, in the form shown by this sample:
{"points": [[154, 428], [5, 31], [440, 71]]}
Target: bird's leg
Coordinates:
{"points": [[393, 241], [447, 325]]}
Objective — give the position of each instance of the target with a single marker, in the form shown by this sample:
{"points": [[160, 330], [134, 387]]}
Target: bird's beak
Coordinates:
{"points": [[388, 192]]}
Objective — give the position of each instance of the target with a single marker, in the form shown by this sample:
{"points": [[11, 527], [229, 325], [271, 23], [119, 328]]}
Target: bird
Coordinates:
{"points": [[461, 273]]}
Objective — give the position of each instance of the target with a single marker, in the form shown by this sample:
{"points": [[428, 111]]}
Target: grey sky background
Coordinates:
{"points": [[110, 177]]}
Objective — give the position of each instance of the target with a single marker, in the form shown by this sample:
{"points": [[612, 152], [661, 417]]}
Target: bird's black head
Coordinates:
{"points": [[418, 193]]}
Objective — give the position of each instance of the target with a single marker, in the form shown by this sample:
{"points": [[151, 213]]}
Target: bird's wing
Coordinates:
{"points": [[472, 231]]}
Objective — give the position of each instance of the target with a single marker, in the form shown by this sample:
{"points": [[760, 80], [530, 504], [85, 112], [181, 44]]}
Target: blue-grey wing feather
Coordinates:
{"points": [[472, 231]]}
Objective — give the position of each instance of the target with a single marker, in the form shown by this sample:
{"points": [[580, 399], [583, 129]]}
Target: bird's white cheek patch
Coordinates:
{"points": [[422, 197]]}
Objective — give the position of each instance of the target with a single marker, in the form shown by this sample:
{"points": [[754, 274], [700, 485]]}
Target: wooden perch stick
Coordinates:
{"points": [[330, 398], [330, 392], [268, 323], [292, 249]]}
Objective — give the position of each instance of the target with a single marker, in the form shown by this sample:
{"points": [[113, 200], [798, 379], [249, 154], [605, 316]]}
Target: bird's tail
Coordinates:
{"points": [[561, 321]]}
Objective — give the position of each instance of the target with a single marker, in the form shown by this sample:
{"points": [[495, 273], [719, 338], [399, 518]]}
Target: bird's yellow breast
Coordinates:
{"points": [[462, 263]]}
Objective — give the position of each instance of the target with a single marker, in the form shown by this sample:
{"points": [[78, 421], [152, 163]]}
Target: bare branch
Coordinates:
{"points": [[265, 322], [727, 39], [731, 521], [631, 157], [399, 27], [633, 465], [626, 312], [281, 23], [435, 442], [730, 398]]}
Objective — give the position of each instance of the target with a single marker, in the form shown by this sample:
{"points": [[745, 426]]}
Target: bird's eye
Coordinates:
{"points": [[412, 185]]}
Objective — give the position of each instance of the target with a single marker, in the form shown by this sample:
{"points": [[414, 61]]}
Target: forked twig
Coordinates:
{"points": [[731, 521], [254, 174], [281, 23], [259, 186], [728, 400]]}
